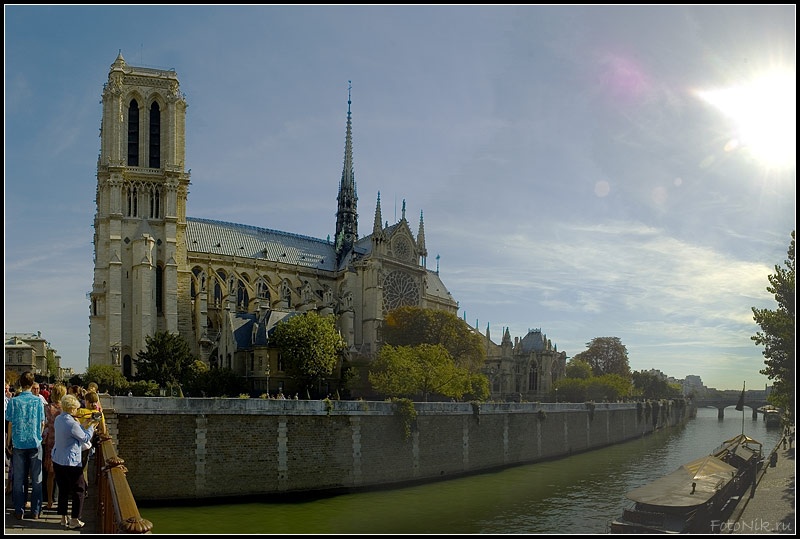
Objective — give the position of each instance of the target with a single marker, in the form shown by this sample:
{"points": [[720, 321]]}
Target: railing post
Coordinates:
{"points": [[116, 507]]}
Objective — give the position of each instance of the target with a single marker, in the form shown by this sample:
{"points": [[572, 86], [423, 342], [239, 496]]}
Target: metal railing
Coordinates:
{"points": [[116, 507]]}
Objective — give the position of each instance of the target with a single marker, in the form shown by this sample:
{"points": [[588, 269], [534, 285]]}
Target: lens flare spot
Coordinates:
{"points": [[731, 145], [602, 188]]}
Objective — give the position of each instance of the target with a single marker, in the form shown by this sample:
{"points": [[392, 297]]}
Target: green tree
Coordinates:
{"points": [[144, 388], [777, 333], [310, 345], [412, 326], [569, 390], [420, 371], [650, 386], [215, 382], [107, 377], [578, 369], [606, 355], [608, 387], [166, 360], [478, 387]]}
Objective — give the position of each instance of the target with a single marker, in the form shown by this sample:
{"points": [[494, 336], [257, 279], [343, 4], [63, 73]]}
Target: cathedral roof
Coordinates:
{"points": [[231, 239], [242, 327], [533, 341], [435, 286]]}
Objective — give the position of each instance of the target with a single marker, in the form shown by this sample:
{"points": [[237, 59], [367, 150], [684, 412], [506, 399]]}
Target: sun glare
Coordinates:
{"points": [[764, 111]]}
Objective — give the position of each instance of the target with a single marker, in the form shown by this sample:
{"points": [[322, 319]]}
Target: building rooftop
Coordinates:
{"points": [[231, 239]]}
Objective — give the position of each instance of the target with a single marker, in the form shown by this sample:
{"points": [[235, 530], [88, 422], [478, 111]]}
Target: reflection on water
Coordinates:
{"points": [[577, 494]]}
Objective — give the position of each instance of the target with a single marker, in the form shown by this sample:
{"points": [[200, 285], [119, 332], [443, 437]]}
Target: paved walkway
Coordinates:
{"points": [[772, 509], [50, 521]]}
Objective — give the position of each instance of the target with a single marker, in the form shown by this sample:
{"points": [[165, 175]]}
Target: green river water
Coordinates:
{"points": [[577, 494]]}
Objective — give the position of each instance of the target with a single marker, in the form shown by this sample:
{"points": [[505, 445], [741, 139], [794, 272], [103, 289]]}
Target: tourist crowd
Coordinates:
{"points": [[51, 431]]}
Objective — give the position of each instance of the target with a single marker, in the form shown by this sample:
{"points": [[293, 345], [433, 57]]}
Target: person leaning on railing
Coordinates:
{"points": [[70, 436], [51, 412]]}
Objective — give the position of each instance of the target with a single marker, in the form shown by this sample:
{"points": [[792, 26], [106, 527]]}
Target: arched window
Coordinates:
{"points": [[263, 291], [133, 134], [286, 294], [133, 201], [155, 202], [217, 293], [533, 379], [242, 298], [160, 289], [155, 136]]}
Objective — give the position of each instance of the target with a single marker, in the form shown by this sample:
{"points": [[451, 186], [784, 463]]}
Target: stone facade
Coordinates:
{"points": [[223, 286], [524, 370], [30, 352], [264, 447]]}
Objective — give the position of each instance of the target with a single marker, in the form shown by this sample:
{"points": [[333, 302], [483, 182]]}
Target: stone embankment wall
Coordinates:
{"points": [[206, 448]]}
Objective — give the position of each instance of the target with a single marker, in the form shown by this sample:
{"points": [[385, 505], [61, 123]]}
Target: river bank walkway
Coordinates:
{"points": [[772, 508], [50, 522]]}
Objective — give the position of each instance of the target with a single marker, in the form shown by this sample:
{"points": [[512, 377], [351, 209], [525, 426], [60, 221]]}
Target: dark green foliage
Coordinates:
{"points": [[606, 355], [578, 369], [609, 388], [422, 371], [216, 382], [777, 333], [143, 388], [108, 379], [404, 409], [166, 360], [310, 345], [412, 326], [651, 386]]}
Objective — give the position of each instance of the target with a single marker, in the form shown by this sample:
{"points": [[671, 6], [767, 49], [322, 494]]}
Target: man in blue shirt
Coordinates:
{"points": [[25, 414]]}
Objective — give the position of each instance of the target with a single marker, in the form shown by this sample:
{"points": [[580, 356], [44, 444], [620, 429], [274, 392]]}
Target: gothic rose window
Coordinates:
{"points": [[402, 249], [399, 290]]}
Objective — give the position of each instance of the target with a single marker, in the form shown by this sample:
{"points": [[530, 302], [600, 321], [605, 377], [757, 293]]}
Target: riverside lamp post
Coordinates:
{"points": [[266, 373]]}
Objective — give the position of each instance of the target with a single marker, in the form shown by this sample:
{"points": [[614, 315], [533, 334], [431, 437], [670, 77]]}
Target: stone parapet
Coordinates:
{"points": [[205, 448]]}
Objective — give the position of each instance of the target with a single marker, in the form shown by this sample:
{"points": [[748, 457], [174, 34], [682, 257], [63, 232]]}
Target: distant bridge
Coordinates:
{"points": [[723, 401]]}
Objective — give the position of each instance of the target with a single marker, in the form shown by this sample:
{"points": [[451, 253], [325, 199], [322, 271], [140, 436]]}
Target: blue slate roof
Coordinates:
{"points": [[231, 239], [242, 326], [533, 341]]}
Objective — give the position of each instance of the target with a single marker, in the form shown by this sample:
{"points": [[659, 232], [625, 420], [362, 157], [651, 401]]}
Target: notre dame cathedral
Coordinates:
{"points": [[224, 286]]}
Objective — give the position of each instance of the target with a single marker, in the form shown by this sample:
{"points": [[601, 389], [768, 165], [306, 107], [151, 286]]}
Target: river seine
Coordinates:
{"points": [[577, 494]]}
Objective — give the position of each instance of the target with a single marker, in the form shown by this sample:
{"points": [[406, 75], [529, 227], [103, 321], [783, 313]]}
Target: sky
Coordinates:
{"points": [[607, 171]]}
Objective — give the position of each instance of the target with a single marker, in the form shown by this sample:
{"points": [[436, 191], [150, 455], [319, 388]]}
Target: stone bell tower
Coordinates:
{"points": [[140, 222]]}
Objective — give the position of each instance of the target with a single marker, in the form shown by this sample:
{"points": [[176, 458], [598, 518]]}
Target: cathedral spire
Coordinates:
{"points": [[421, 241], [377, 228], [347, 212]]}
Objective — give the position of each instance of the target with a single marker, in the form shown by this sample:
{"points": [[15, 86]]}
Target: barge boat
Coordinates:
{"points": [[695, 495]]}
